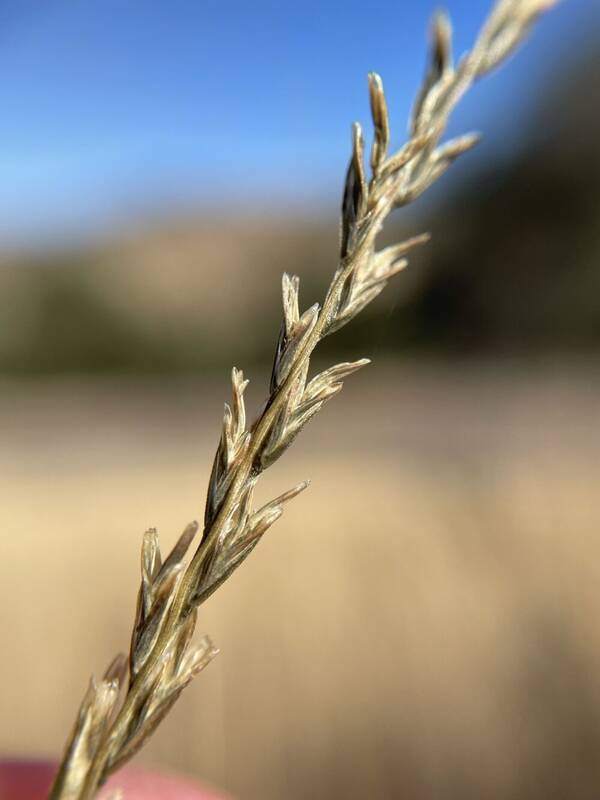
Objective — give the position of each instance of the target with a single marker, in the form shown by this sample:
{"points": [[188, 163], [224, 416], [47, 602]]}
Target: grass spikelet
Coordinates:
{"points": [[122, 710]]}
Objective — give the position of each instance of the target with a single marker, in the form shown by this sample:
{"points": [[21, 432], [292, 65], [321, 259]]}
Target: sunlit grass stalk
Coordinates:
{"points": [[162, 658]]}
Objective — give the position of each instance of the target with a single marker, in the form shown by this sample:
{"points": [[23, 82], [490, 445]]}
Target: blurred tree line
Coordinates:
{"points": [[513, 268]]}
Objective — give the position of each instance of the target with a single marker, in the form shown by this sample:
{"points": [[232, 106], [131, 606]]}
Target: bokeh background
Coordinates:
{"points": [[424, 622]]}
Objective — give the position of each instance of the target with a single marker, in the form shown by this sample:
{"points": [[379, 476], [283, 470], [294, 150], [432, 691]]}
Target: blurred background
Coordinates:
{"points": [[423, 622]]}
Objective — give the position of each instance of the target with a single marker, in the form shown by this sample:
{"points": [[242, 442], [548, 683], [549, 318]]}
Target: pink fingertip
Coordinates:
{"points": [[31, 780]]}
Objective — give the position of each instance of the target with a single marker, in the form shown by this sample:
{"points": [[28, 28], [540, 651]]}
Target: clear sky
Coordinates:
{"points": [[112, 109]]}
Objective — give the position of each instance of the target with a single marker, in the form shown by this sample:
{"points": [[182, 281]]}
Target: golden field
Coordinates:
{"points": [[422, 623]]}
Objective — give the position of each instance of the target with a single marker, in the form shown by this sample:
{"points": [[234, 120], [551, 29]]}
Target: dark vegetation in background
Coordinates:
{"points": [[514, 262], [71, 327], [514, 267]]}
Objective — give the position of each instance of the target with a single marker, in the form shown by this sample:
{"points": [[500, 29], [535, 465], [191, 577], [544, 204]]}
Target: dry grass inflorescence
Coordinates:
{"points": [[121, 711]]}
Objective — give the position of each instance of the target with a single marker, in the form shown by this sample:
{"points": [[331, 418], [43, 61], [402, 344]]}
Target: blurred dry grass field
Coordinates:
{"points": [[444, 644]]}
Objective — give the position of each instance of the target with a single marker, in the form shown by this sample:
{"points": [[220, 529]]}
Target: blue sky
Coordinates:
{"points": [[115, 109]]}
